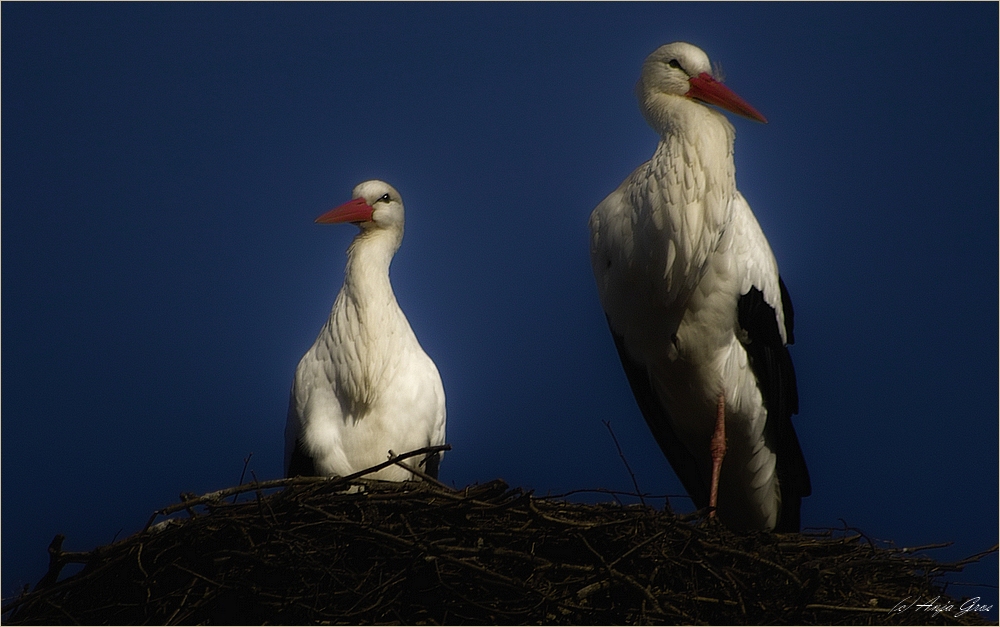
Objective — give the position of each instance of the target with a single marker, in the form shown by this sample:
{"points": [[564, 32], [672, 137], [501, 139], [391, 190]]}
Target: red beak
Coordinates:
{"points": [[710, 91], [354, 211]]}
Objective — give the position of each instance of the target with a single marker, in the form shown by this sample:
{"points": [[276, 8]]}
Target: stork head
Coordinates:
{"points": [[683, 70], [374, 205]]}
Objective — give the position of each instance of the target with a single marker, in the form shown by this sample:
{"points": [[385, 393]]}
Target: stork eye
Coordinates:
{"points": [[384, 198], [674, 64]]}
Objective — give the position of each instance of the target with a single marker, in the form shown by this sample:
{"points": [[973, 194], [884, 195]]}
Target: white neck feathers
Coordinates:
{"points": [[367, 332]]}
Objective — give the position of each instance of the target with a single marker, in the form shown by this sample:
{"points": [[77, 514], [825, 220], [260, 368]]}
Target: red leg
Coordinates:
{"points": [[718, 449]]}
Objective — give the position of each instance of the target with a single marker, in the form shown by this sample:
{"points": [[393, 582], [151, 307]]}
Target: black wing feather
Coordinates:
{"points": [[772, 365], [301, 464], [658, 420], [432, 463]]}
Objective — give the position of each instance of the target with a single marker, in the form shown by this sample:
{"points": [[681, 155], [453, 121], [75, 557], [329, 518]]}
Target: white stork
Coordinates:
{"points": [[697, 309], [366, 386]]}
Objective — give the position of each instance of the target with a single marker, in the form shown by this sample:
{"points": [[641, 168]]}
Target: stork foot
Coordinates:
{"points": [[718, 449]]}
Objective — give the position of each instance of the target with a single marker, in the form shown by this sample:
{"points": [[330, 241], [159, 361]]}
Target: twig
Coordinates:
{"points": [[56, 562], [420, 451], [246, 462], [638, 492], [926, 547], [571, 523], [711, 600], [420, 473], [978, 556]]}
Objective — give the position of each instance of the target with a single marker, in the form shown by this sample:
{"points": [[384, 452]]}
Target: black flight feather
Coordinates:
{"points": [[772, 365]]}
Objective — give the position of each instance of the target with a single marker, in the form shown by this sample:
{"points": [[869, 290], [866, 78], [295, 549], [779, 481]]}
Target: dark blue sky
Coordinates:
{"points": [[162, 166]]}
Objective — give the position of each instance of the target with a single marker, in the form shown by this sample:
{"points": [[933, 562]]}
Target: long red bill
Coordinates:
{"points": [[356, 210], [708, 90]]}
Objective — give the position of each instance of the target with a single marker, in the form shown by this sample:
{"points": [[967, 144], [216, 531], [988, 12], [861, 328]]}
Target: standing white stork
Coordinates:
{"points": [[365, 387], [697, 309]]}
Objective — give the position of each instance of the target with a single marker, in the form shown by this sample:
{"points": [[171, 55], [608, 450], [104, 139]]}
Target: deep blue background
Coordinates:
{"points": [[162, 165]]}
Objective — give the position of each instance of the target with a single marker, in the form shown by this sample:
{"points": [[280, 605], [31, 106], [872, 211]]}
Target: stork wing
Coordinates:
{"points": [[765, 314], [681, 460]]}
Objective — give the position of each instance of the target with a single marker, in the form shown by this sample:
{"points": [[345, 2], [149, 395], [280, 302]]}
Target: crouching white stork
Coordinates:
{"points": [[366, 386], [697, 309]]}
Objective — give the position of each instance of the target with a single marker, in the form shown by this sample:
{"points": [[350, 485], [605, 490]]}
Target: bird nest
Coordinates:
{"points": [[312, 550]]}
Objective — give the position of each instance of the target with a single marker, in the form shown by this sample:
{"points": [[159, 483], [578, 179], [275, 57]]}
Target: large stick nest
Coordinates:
{"points": [[355, 551]]}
